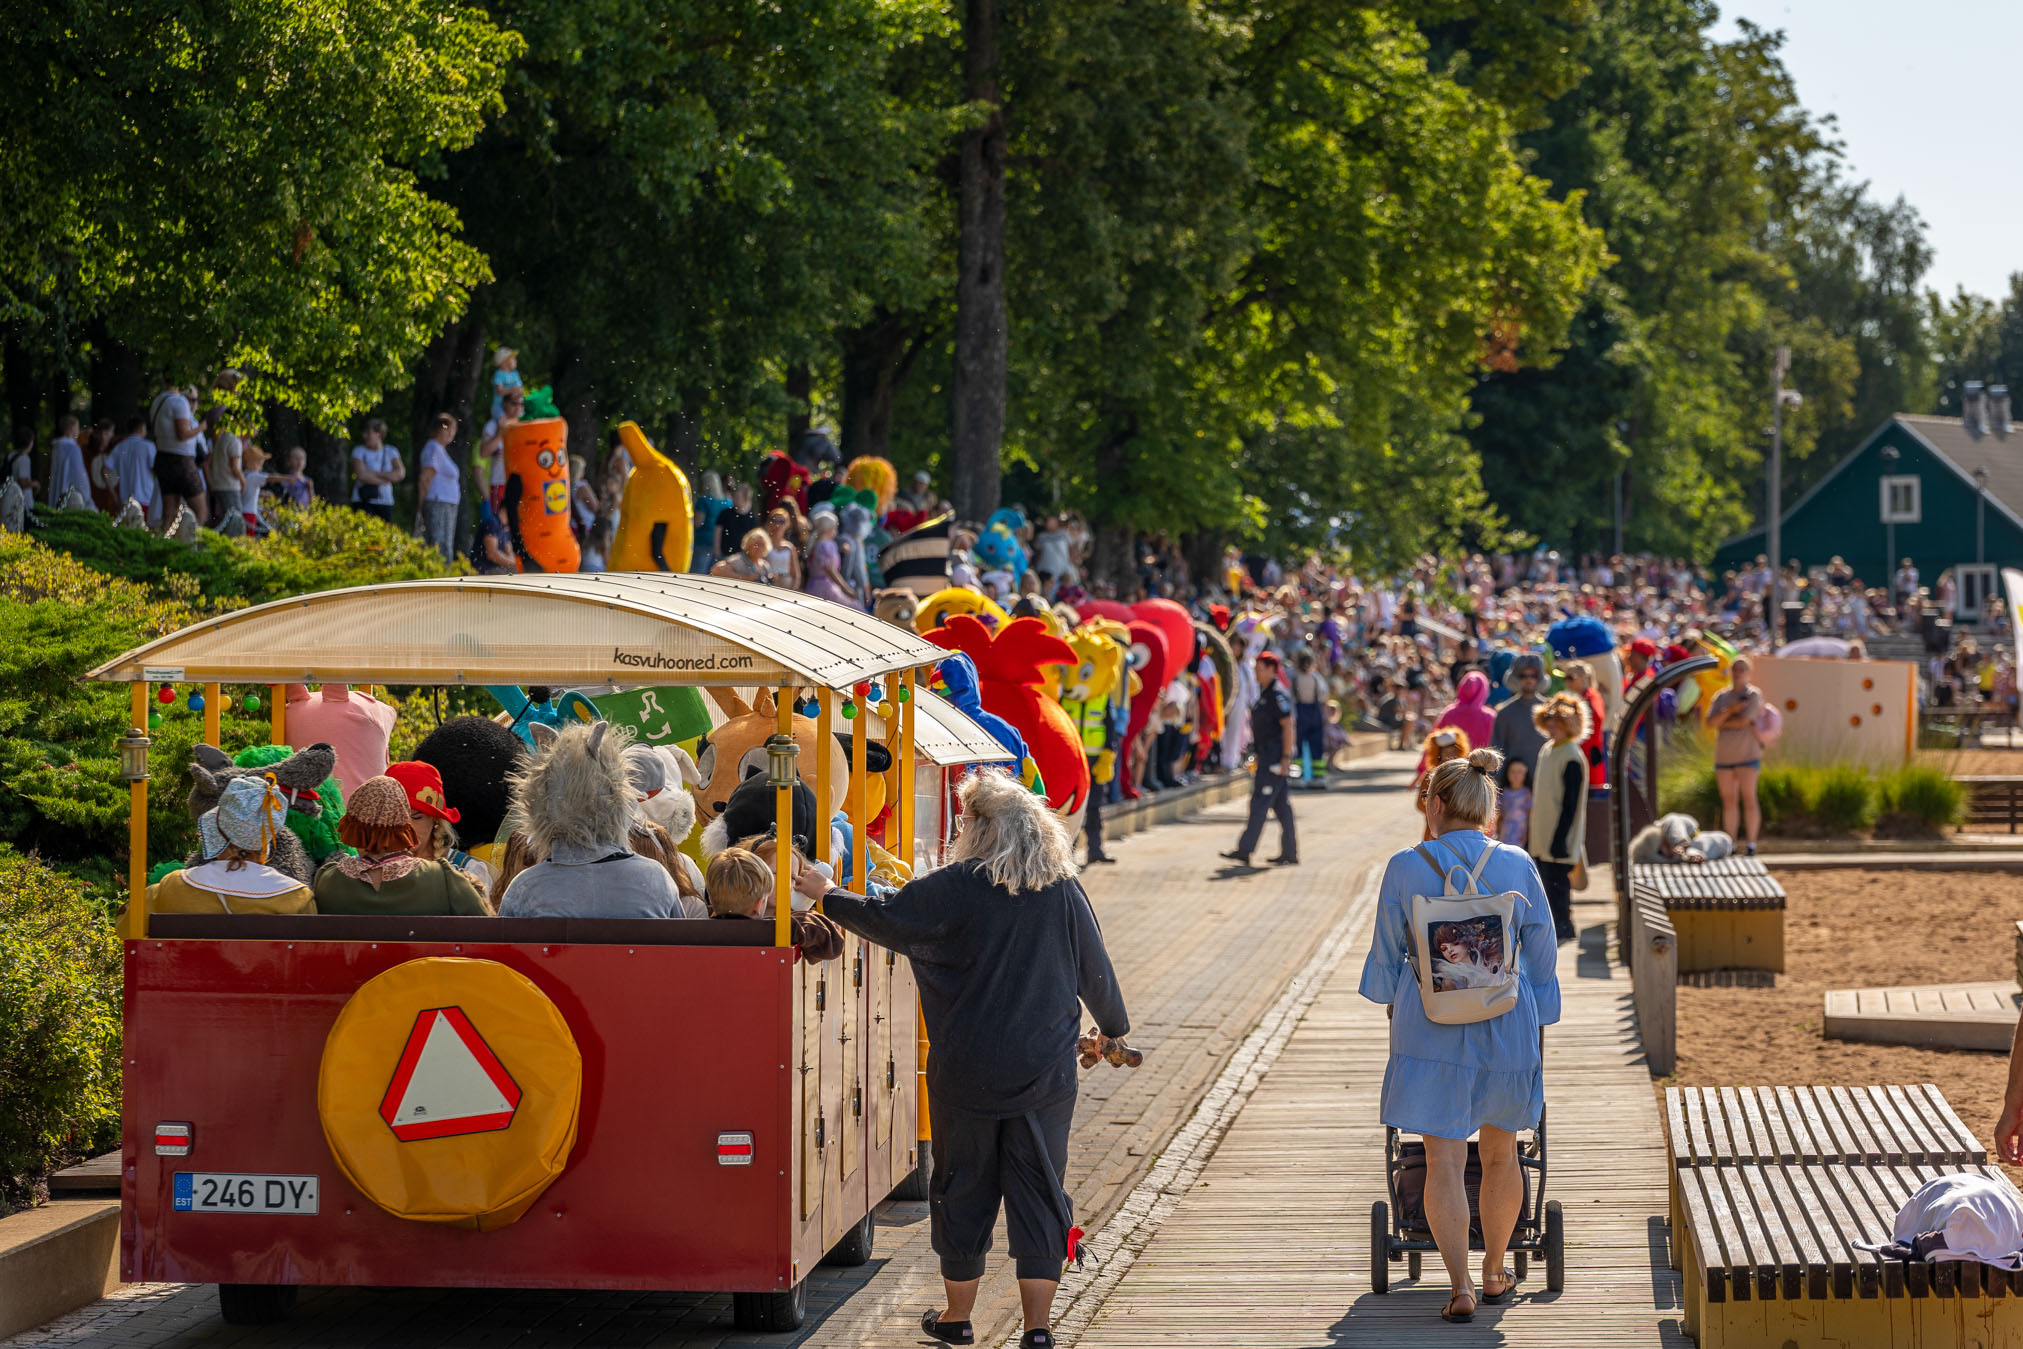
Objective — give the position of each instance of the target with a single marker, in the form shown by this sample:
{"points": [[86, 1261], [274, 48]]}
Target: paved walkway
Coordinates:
{"points": [[1268, 1243], [1206, 953]]}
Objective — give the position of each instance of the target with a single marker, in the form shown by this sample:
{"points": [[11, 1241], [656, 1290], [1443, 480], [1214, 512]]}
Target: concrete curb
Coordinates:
{"points": [[55, 1259], [1957, 859]]}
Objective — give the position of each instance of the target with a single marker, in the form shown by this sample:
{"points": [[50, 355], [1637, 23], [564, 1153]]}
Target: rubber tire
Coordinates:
{"points": [[913, 1189], [1555, 1247], [855, 1247], [765, 1313], [1412, 1265], [1380, 1247], [256, 1304], [1521, 1264]]}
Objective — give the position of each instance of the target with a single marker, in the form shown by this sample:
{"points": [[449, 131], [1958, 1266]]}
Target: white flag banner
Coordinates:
{"points": [[2012, 592]]}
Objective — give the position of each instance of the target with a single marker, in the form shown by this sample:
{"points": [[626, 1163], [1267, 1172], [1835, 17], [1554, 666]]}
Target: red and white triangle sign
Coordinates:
{"points": [[448, 1081]]}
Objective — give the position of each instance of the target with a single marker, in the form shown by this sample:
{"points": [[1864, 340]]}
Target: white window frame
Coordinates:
{"points": [[1988, 584], [1912, 514]]}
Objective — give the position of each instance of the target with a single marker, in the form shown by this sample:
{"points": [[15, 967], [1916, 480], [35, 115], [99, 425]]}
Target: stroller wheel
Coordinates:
{"points": [[1520, 1264], [1380, 1247], [1555, 1247], [1412, 1264]]}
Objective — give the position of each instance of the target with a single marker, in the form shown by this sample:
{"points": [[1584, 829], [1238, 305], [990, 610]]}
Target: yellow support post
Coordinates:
{"points": [[860, 836], [907, 769], [277, 714], [826, 698], [214, 715], [137, 832], [783, 838]]}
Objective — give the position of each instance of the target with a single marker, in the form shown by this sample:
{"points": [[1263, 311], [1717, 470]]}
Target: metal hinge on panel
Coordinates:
{"points": [[892, 957], [857, 971], [821, 1132], [857, 1102], [821, 994], [891, 1076]]}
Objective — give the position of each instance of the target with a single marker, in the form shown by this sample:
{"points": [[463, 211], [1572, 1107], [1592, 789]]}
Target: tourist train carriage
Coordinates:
{"points": [[547, 1103]]}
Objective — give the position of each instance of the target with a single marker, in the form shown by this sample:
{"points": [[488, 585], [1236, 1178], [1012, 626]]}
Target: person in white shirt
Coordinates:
{"points": [[225, 468], [21, 463], [375, 467], [174, 428], [253, 476], [66, 464], [438, 491], [133, 462]]}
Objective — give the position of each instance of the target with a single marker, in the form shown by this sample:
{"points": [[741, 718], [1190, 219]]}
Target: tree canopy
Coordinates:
{"points": [[1377, 278]]}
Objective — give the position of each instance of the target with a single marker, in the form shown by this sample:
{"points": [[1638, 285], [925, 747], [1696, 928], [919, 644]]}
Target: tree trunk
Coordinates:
{"points": [[877, 358], [1114, 561], [24, 390], [980, 337], [115, 379], [800, 385]]}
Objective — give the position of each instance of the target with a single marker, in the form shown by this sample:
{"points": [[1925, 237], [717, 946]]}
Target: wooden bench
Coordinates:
{"points": [[1993, 801], [1729, 914], [1651, 950], [1773, 1190], [1938, 1016]]}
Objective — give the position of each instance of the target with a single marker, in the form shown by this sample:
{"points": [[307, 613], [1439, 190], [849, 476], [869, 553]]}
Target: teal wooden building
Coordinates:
{"points": [[1933, 489]]}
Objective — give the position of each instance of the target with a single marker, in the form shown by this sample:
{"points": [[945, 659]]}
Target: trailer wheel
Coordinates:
{"points": [[255, 1304], [765, 1312], [1380, 1247], [1555, 1247], [1522, 1260], [1412, 1264], [855, 1247], [914, 1188]]}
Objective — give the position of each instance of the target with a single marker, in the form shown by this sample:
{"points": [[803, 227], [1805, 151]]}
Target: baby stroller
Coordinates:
{"points": [[1398, 1229]]}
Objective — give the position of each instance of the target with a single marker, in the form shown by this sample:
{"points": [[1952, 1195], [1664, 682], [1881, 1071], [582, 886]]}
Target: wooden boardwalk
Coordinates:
{"points": [[1269, 1245]]}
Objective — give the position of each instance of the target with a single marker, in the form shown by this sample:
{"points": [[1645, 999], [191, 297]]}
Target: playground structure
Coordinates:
{"points": [[551, 1103]]}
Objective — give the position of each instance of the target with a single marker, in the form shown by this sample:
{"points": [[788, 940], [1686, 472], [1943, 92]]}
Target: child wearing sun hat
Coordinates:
{"points": [[233, 876]]}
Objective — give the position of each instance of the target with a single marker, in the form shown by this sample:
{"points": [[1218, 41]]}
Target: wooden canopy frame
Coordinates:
{"points": [[585, 631]]}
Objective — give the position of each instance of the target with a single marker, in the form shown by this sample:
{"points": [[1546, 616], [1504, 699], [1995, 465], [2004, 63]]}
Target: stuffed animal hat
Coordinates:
{"points": [[248, 816]]}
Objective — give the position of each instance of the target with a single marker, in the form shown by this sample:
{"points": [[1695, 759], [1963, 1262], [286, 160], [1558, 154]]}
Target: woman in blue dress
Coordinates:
{"points": [[1447, 1082]]}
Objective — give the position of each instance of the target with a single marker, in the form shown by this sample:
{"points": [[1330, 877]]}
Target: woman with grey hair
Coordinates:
{"points": [[1005, 948]]}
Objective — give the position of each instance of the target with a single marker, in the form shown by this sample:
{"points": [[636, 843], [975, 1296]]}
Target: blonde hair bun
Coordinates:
{"points": [[1466, 788], [1485, 760]]}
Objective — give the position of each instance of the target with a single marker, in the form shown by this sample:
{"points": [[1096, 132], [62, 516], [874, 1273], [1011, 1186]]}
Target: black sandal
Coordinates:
{"points": [[1509, 1287], [948, 1332], [1448, 1313]]}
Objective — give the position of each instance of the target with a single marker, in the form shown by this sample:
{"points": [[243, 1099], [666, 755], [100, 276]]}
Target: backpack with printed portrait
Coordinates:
{"points": [[1463, 941]]}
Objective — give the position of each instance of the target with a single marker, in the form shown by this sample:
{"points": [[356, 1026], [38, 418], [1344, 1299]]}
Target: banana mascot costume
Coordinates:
{"points": [[656, 525]]}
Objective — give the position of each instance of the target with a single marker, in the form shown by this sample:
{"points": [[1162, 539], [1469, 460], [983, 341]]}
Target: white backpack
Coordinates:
{"points": [[1464, 944]]}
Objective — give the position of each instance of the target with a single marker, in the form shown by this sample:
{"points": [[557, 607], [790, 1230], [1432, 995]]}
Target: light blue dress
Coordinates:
{"points": [[1449, 1081]]}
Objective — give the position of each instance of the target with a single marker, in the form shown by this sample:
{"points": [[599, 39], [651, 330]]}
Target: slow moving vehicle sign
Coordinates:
{"points": [[449, 1091], [448, 1081]]}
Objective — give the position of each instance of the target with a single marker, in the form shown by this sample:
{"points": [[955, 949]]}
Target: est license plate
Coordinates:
{"points": [[241, 1192]]}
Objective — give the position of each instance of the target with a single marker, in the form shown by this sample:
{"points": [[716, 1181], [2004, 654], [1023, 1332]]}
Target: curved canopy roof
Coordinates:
{"points": [[610, 628]]}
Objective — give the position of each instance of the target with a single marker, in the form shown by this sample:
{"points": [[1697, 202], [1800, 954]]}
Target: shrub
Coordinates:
{"points": [[1920, 801], [59, 1025], [1844, 799]]}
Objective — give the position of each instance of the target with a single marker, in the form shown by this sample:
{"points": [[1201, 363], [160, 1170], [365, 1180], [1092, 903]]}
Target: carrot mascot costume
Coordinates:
{"points": [[537, 495], [656, 527]]}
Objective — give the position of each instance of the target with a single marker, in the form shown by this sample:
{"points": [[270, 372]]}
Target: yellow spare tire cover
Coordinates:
{"points": [[449, 1091]]}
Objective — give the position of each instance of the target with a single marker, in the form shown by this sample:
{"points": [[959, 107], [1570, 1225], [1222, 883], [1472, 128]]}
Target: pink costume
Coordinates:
{"points": [[356, 725]]}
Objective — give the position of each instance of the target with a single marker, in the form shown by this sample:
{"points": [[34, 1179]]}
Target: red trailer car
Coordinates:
{"points": [[530, 1103]]}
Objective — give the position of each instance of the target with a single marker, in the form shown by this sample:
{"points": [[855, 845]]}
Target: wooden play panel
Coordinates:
{"points": [[1937, 1016]]}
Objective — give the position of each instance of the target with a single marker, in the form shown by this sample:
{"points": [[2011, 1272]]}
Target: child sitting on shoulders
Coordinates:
{"points": [[739, 884], [1513, 806]]}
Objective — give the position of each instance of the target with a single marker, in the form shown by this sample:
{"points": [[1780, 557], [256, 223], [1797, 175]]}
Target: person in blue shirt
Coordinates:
{"points": [[1445, 1082]]}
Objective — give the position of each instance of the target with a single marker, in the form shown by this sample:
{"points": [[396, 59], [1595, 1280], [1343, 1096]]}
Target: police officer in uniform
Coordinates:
{"points": [[1271, 735]]}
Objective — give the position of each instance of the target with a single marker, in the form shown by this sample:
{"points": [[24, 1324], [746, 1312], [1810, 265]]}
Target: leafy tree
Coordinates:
{"points": [[239, 185], [1977, 338]]}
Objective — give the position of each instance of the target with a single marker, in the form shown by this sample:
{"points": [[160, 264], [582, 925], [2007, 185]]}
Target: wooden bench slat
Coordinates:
{"points": [[1833, 1274], [1896, 1141], [1783, 1277], [1873, 1218], [1758, 1270], [1940, 1111], [1801, 1224], [1928, 1140], [1806, 1146], [1701, 1229]]}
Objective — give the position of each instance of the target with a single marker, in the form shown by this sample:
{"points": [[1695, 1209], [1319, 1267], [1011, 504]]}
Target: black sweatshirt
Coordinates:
{"points": [[1574, 783], [1000, 977]]}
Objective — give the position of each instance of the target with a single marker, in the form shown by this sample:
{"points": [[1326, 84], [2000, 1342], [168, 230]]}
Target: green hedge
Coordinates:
{"points": [[81, 592], [59, 1025], [1815, 801]]}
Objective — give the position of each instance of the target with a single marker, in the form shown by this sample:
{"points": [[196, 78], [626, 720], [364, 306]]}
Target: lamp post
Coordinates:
{"points": [[1780, 398]]}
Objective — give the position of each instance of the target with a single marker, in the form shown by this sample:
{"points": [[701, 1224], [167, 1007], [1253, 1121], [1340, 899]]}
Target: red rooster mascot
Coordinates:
{"points": [[1010, 681]]}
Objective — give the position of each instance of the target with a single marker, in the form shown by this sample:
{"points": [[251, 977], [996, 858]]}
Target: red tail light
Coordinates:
{"points": [[172, 1140], [734, 1149]]}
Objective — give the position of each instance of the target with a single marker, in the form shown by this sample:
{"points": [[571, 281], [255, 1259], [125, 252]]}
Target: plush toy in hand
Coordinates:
{"points": [[1095, 1045]]}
